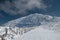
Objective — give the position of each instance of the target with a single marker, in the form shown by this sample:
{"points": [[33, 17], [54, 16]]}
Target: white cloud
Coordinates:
{"points": [[20, 6], [36, 3]]}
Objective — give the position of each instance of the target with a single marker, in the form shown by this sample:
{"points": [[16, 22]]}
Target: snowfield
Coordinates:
{"points": [[38, 33], [32, 27], [41, 34], [13, 33]]}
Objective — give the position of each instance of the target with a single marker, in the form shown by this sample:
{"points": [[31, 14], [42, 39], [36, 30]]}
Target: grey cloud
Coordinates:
{"points": [[20, 6]]}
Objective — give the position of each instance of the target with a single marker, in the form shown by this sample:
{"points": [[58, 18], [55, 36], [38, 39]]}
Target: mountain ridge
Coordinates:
{"points": [[30, 18]]}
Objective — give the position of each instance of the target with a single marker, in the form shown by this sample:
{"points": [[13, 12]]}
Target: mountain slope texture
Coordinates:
{"points": [[32, 27]]}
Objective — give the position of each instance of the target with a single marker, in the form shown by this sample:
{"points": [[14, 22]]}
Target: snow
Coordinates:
{"points": [[12, 33], [48, 30], [30, 19], [41, 34], [2, 31]]}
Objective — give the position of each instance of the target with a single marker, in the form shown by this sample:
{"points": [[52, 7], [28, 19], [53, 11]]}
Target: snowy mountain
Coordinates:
{"points": [[36, 19], [32, 20], [32, 27]]}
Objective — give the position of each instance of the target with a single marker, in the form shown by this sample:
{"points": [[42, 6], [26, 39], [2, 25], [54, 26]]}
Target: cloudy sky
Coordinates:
{"points": [[13, 9]]}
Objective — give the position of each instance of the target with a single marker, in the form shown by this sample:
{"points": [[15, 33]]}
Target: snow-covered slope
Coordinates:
{"points": [[38, 33], [36, 19], [32, 20], [10, 33], [32, 27], [41, 34]]}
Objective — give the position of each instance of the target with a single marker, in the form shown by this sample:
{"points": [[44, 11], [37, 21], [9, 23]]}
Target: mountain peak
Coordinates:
{"points": [[31, 20]]}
